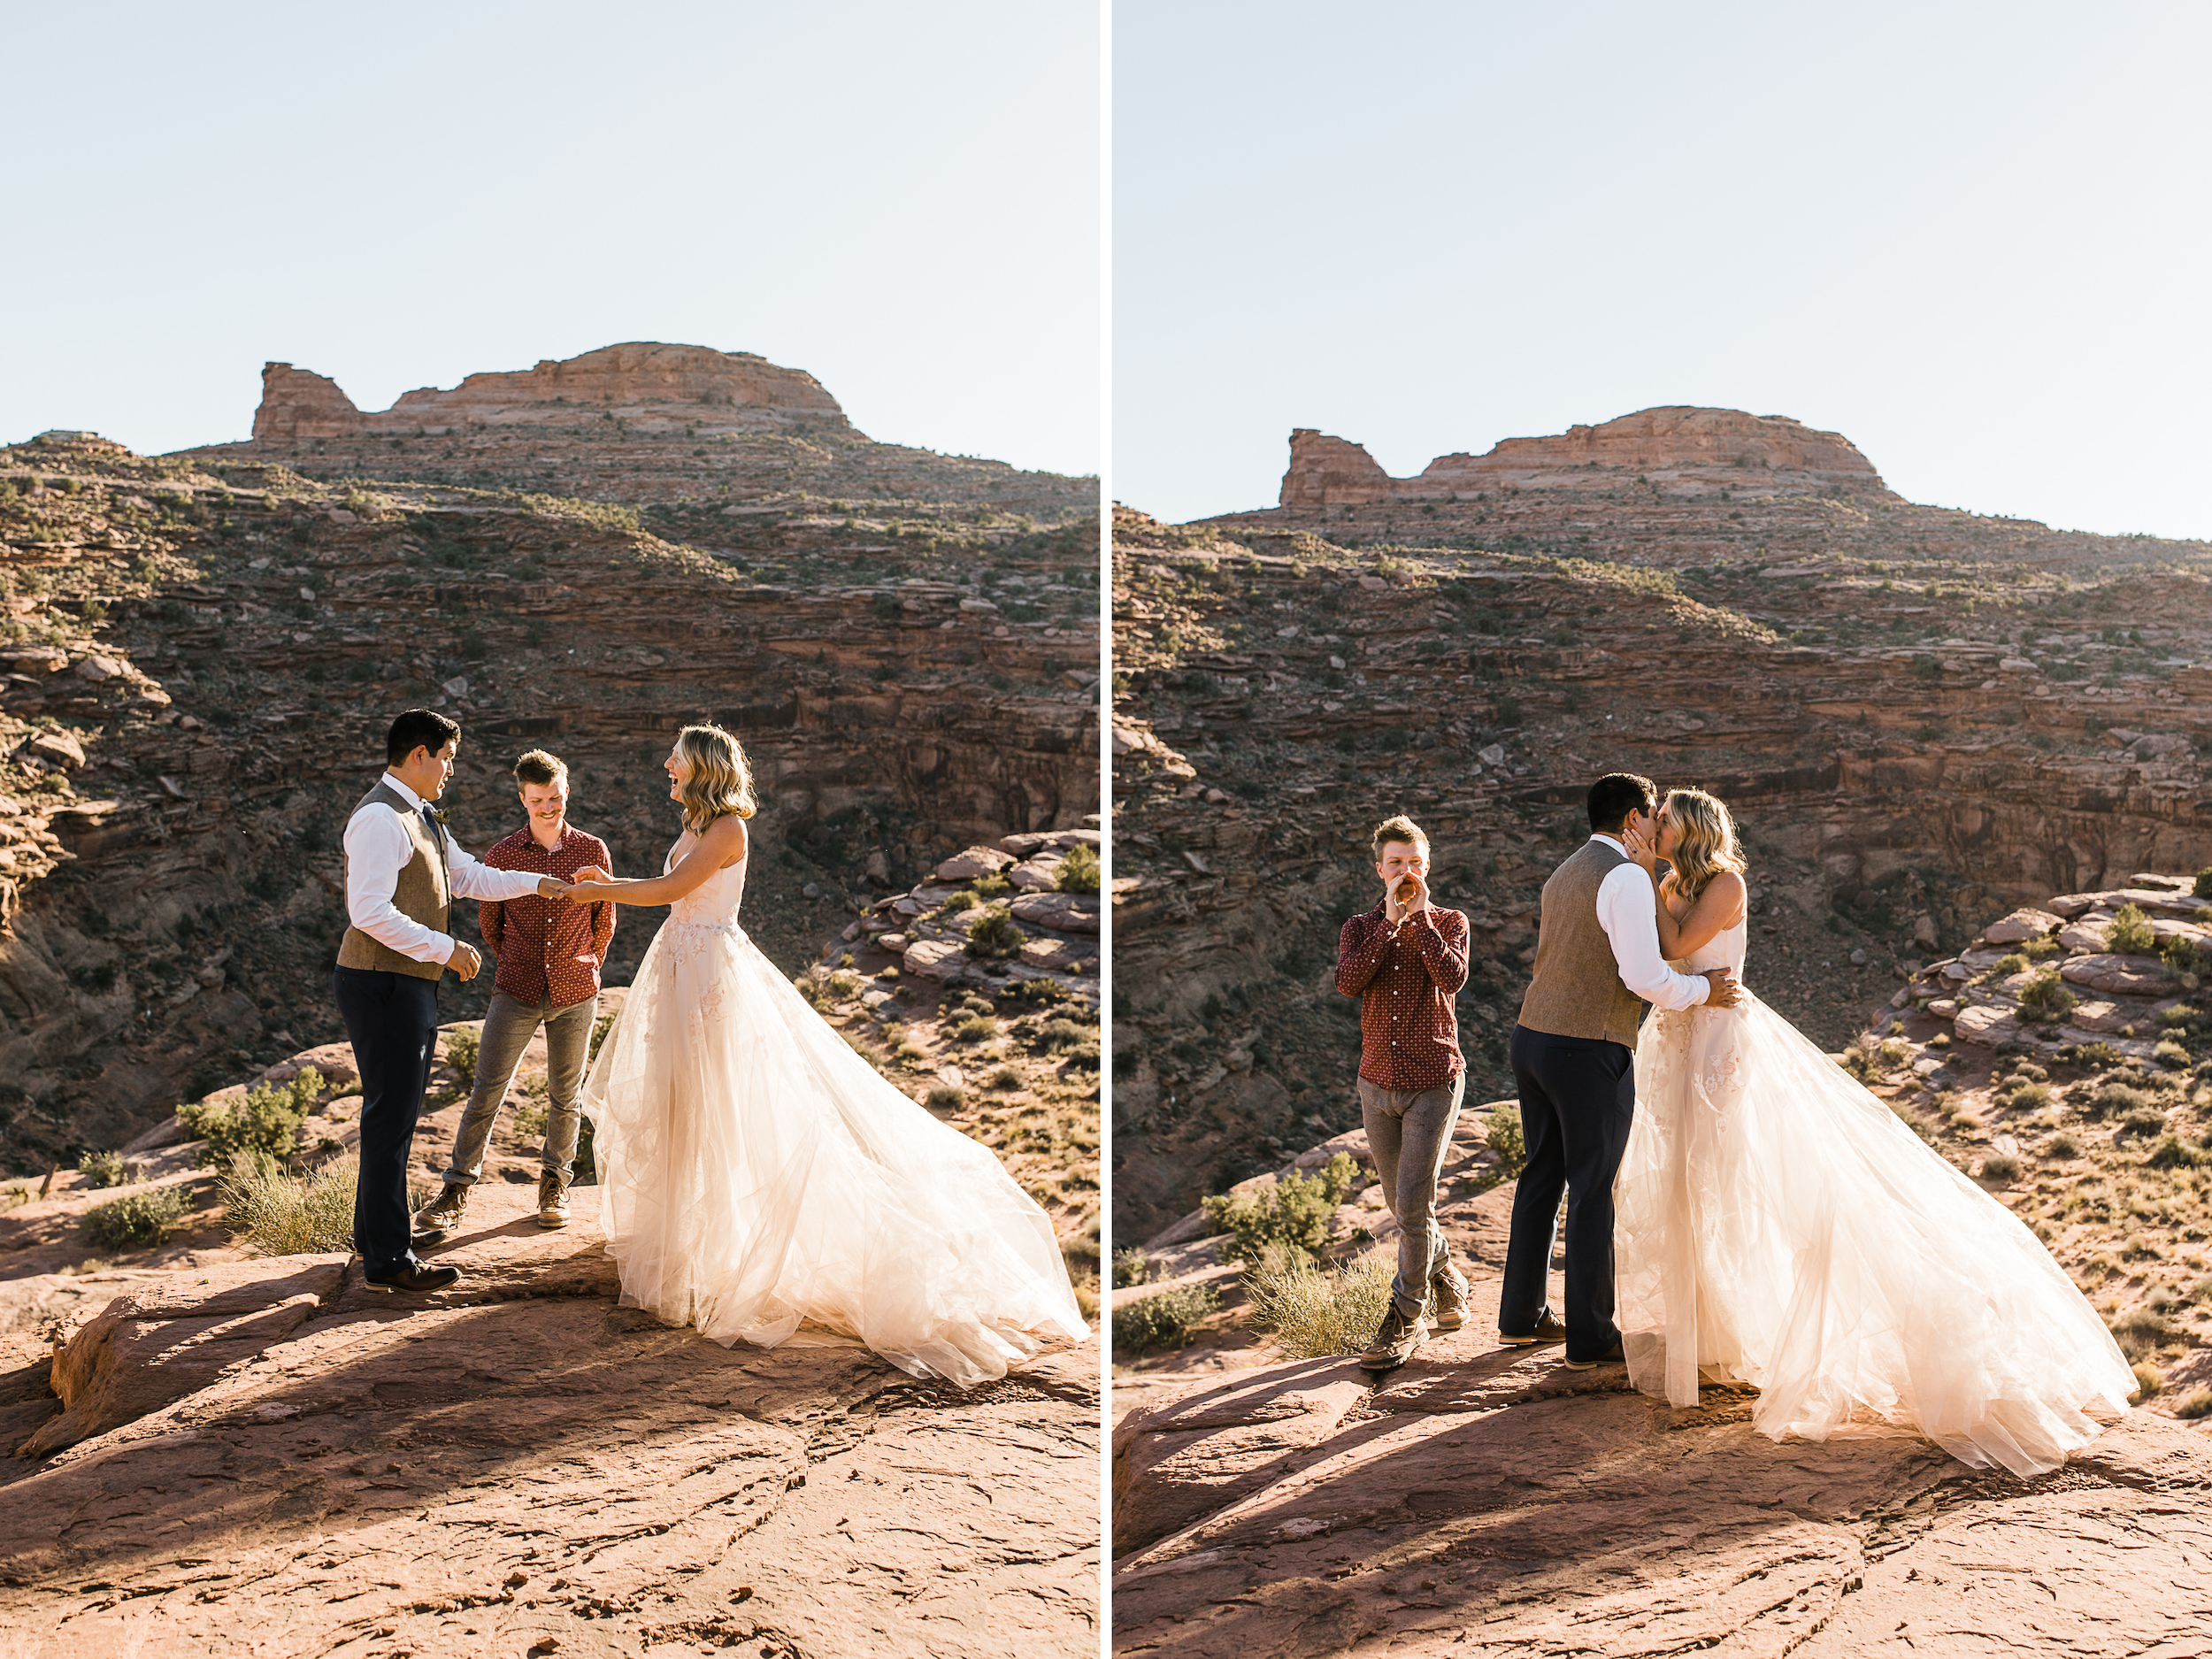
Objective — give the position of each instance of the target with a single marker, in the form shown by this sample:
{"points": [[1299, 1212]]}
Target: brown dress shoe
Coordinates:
{"points": [[552, 1201], [1548, 1329]]}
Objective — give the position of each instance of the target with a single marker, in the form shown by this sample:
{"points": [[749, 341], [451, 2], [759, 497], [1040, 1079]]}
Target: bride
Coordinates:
{"points": [[755, 1172], [1778, 1225]]}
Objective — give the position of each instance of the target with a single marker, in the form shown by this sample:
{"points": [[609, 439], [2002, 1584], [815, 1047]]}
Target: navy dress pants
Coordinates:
{"points": [[1577, 1099], [393, 1021]]}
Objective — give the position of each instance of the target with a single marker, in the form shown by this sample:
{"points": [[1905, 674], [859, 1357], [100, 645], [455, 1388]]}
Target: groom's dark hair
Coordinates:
{"points": [[1614, 796], [419, 728]]}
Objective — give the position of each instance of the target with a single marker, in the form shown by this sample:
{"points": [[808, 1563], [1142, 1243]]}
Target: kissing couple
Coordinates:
{"points": [[1764, 1219], [755, 1172]]}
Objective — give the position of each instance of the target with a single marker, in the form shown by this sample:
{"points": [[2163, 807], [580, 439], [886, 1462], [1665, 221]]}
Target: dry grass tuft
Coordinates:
{"points": [[1317, 1311]]}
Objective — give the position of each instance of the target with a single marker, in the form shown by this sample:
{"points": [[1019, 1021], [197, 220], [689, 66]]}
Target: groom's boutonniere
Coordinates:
{"points": [[440, 814]]}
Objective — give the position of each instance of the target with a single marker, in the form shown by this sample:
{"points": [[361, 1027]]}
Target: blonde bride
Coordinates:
{"points": [[755, 1174], [1776, 1225]]}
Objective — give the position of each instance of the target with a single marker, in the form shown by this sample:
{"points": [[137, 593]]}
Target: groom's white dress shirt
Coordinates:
{"points": [[1628, 912], [378, 847]]}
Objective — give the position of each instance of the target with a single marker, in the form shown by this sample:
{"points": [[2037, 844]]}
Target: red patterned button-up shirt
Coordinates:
{"points": [[548, 950], [1405, 978]]}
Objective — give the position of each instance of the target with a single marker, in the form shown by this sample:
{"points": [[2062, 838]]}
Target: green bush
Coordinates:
{"points": [[2203, 888], [1063, 1033], [1503, 1136], [2171, 1053], [1315, 1311], [2012, 963], [2037, 949], [2130, 934], [1079, 870], [463, 1044], [1165, 1319], [267, 1120], [2182, 954], [1132, 1266], [2045, 1000], [1295, 1210], [995, 933], [134, 1219], [974, 1028], [102, 1169], [2173, 1152], [284, 1214]]}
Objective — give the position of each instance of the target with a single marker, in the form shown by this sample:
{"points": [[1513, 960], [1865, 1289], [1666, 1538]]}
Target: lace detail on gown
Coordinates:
{"points": [[755, 1174], [1778, 1225]]}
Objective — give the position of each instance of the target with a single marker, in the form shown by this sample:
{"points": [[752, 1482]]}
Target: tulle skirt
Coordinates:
{"points": [[1778, 1225], [755, 1172]]}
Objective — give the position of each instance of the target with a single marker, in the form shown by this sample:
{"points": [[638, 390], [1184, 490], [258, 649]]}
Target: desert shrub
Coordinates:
{"points": [[2012, 963], [945, 1098], [2061, 1147], [2023, 1094], [1165, 1319], [2183, 956], [2128, 932], [974, 1028], [531, 1116], [1911, 1121], [267, 1120], [2203, 888], [134, 1219], [2171, 1055], [1063, 1033], [103, 1169], [2148, 1121], [995, 933], [2198, 1403], [2001, 1168], [1295, 1210], [284, 1214], [600, 1028], [2045, 999], [2090, 1057], [2173, 1152], [1079, 870], [2037, 949], [1315, 1311], [2149, 1380], [1502, 1135], [1005, 1076], [461, 1045], [1132, 1266]]}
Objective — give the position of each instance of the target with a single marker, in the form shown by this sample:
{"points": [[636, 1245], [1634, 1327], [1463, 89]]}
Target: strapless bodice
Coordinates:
{"points": [[714, 902]]}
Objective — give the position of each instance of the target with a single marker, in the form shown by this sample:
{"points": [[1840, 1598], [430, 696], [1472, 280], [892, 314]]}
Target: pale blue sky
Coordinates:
{"points": [[902, 200], [1975, 238]]}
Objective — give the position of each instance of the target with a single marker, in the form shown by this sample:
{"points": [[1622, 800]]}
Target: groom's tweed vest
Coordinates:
{"points": [[1576, 991], [424, 894]]}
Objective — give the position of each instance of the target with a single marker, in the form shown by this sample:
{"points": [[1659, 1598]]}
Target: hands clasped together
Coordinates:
{"points": [[467, 962]]}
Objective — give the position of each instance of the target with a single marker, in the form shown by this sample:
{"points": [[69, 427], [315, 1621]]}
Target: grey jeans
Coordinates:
{"points": [[508, 1028], [1407, 1131]]}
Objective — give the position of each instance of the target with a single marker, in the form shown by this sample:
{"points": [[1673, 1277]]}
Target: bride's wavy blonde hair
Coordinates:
{"points": [[1709, 843], [721, 780]]}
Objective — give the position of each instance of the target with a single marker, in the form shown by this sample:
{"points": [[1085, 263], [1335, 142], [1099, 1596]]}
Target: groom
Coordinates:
{"points": [[1573, 1057], [404, 870]]}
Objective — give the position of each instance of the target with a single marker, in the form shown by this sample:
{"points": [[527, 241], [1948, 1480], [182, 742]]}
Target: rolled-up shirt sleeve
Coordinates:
{"points": [[377, 849], [1627, 911]]}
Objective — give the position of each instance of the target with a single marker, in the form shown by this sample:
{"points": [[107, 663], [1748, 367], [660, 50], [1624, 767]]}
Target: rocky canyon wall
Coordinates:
{"points": [[1916, 713], [200, 664]]}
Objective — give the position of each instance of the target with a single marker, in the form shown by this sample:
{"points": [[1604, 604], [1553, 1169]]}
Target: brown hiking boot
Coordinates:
{"points": [[552, 1201], [1395, 1341], [443, 1213], [1448, 1298]]}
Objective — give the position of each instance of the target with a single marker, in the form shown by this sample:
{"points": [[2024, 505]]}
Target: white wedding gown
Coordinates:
{"points": [[1777, 1226], [755, 1172]]}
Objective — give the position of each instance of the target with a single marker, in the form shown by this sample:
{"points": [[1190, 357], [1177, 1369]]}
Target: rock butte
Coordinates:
{"points": [[1917, 712], [1714, 446], [636, 423]]}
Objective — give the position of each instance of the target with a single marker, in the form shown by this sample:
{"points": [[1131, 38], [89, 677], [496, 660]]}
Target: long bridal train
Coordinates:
{"points": [[1777, 1226], [755, 1173]]}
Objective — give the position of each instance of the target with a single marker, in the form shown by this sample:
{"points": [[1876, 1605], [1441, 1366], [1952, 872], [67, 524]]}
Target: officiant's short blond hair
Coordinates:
{"points": [[536, 766], [1400, 828]]}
